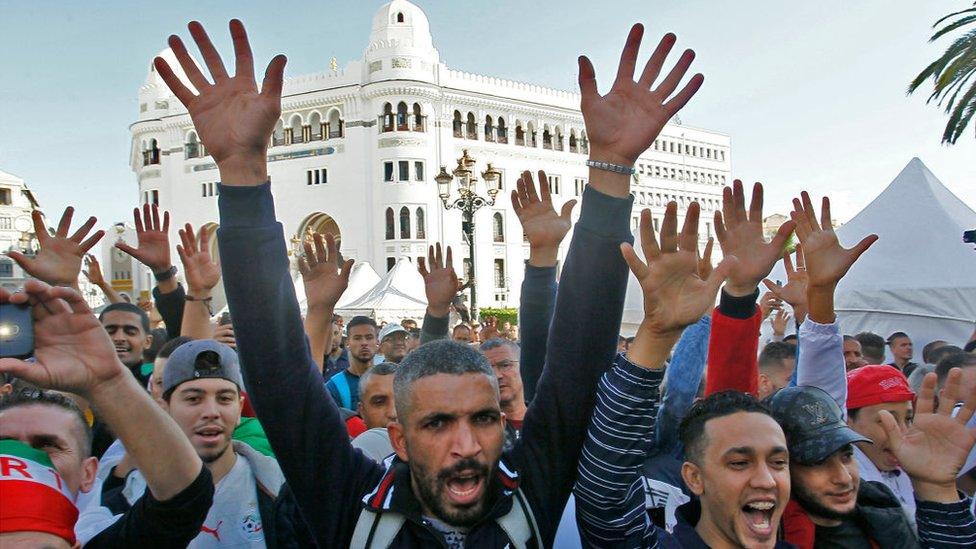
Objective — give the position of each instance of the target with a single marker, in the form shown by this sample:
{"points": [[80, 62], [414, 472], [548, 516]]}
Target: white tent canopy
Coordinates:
{"points": [[919, 277], [400, 294], [361, 280]]}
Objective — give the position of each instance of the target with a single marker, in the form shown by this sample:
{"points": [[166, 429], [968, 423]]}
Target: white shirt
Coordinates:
{"points": [[897, 481], [234, 519]]}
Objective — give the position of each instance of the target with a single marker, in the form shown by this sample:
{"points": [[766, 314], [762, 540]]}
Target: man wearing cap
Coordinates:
{"points": [[871, 389], [202, 392], [393, 343], [832, 507], [362, 344]]}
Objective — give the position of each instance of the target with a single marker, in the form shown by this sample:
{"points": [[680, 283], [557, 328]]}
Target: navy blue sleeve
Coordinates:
{"points": [[581, 346], [946, 525], [170, 306], [303, 424], [535, 314]]}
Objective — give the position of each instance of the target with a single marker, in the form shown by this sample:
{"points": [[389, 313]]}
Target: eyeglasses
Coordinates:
{"points": [[398, 336], [505, 365]]}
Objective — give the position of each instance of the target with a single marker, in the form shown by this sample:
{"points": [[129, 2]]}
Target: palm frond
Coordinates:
{"points": [[961, 116], [955, 25], [953, 14]]}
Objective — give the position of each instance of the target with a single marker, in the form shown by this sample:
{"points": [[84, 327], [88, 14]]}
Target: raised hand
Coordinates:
{"points": [[440, 281], [795, 290], [674, 295], [544, 228], [224, 333], [934, 447], [826, 260], [625, 122], [201, 273], [779, 322], [705, 266], [324, 277], [152, 237], [94, 271], [233, 118], [768, 302], [741, 234], [72, 350], [58, 262]]}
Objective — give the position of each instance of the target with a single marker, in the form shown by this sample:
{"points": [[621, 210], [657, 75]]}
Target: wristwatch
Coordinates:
{"points": [[165, 275]]}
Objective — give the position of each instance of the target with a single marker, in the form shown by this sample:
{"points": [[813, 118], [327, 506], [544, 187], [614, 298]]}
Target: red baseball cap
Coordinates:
{"points": [[870, 385]]}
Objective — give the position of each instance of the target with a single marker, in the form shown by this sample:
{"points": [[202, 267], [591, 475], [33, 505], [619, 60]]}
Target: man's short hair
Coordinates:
{"points": [[461, 325], [871, 344], [381, 369], [850, 338], [716, 405], [773, 355], [159, 338], [953, 360], [891, 339], [930, 348], [496, 342], [172, 345], [437, 357], [128, 308], [32, 396], [790, 339], [360, 321]]}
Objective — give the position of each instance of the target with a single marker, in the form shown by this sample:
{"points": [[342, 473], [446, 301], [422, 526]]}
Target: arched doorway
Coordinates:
{"points": [[318, 222]]}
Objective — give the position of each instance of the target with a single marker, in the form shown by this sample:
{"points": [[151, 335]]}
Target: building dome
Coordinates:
{"points": [[400, 23], [153, 78]]}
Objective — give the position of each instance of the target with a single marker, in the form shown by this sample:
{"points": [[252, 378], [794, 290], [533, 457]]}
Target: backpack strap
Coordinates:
{"points": [[376, 530], [342, 385], [519, 523]]}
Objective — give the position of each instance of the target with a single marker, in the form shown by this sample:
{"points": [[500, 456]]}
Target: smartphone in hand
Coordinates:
{"points": [[16, 331]]}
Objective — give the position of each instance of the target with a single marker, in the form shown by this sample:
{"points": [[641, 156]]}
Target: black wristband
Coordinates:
{"points": [[165, 275]]}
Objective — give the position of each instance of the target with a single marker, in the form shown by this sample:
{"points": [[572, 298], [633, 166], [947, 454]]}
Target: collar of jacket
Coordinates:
{"points": [[395, 492], [877, 511], [684, 531], [267, 473]]}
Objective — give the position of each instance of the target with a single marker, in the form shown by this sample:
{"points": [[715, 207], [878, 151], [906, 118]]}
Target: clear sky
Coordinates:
{"points": [[812, 93]]}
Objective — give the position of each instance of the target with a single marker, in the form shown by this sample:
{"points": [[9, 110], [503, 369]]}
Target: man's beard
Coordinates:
{"points": [[428, 485], [218, 453], [814, 507]]}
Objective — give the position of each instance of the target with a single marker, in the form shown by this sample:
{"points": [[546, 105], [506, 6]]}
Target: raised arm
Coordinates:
{"points": [[609, 496], [202, 275], [440, 285], [734, 341], [93, 273], [545, 230], [820, 358], [589, 304], [58, 261], [234, 118], [324, 284]]}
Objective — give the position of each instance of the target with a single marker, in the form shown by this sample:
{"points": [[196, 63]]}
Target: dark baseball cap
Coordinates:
{"points": [[201, 359], [813, 423]]}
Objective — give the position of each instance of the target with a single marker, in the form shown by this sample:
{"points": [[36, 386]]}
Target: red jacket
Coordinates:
{"points": [[733, 349]]}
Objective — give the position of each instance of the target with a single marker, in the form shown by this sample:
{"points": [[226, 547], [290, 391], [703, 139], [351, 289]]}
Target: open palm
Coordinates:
{"points": [[826, 260], [440, 281], [794, 291], [58, 262], [674, 295], [324, 278], [543, 227], [201, 272], [232, 117], [624, 123], [936, 445], [152, 235], [72, 350]]}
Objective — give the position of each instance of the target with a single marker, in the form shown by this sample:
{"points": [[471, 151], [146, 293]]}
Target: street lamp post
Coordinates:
{"points": [[468, 202]]}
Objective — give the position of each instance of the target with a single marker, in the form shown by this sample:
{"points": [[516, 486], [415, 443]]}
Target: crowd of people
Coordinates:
{"points": [[264, 427]]}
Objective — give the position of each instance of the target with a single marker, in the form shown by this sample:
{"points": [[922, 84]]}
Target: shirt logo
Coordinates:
{"points": [[215, 531], [251, 526]]}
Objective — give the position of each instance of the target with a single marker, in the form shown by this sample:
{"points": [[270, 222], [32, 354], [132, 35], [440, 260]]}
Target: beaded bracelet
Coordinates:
{"points": [[615, 168]]}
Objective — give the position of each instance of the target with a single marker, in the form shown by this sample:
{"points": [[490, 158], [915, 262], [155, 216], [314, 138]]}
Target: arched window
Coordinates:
{"points": [[335, 124], [404, 223], [530, 135], [498, 227], [572, 141], [472, 127], [278, 137], [584, 143], [557, 139], [489, 129], [387, 117], [315, 124], [418, 118], [191, 149], [390, 231], [457, 124], [519, 133], [421, 224], [294, 130], [502, 130], [151, 154], [546, 137], [399, 17], [401, 117]]}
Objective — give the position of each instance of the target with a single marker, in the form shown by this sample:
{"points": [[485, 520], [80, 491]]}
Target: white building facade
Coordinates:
{"points": [[17, 202], [356, 151]]}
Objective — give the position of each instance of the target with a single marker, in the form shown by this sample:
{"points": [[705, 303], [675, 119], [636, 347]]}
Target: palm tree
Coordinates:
{"points": [[952, 72]]}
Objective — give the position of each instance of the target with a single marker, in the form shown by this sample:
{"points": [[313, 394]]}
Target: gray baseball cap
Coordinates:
{"points": [[201, 359], [813, 422]]}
